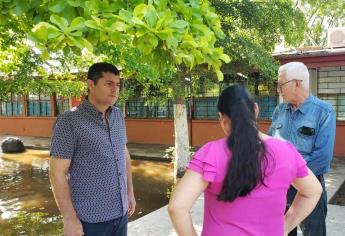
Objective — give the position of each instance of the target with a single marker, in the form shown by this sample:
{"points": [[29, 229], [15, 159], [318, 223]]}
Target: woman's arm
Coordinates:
{"points": [[183, 198], [308, 194]]}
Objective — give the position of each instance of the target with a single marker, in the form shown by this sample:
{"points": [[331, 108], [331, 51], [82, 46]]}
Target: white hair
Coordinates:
{"points": [[295, 70]]}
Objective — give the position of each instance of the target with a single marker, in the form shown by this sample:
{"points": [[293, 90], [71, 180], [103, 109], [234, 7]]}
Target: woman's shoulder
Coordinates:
{"points": [[281, 150], [218, 143], [277, 142], [212, 150]]}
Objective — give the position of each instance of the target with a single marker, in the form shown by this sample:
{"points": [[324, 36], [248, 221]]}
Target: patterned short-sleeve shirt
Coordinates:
{"points": [[97, 173]]}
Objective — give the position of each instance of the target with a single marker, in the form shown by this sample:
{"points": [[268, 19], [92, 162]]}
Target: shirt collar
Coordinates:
{"points": [[92, 109], [303, 108]]}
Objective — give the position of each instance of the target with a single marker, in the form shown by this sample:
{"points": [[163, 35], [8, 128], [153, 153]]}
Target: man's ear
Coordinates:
{"points": [[256, 110], [90, 84]]}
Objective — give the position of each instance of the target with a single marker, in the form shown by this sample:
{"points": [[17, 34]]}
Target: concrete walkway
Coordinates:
{"points": [[158, 223]]}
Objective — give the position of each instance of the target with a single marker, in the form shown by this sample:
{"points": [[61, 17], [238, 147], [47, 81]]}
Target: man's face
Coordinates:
{"points": [[107, 89], [286, 88]]}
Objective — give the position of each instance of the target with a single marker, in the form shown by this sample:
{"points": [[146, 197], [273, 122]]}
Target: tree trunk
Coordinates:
{"points": [[181, 137]]}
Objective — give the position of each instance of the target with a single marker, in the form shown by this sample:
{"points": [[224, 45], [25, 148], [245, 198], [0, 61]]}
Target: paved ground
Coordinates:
{"points": [[154, 151], [158, 223]]}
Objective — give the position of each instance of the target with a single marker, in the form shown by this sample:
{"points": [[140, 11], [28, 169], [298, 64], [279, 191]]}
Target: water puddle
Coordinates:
{"points": [[27, 206]]}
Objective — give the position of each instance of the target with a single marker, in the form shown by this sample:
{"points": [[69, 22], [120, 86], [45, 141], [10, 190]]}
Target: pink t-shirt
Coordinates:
{"points": [[262, 211]]}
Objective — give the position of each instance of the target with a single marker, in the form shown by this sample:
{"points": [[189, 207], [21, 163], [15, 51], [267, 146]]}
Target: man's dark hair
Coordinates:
{"points": [[96, 71]]}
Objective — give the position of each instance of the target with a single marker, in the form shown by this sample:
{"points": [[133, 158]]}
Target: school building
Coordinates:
{"points": [[34, 114]]}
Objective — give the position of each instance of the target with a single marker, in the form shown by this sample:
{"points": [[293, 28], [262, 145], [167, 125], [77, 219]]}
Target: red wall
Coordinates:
{"points": [[153, 131], [150, 131], [339, 147], [27, 126]]}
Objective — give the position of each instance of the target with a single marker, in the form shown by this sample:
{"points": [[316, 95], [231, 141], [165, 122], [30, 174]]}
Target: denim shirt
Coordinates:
{"points": [[310, 128]]}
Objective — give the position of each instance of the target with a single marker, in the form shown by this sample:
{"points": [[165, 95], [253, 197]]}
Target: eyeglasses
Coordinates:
{"points": [[280, 85], [219, 116]]}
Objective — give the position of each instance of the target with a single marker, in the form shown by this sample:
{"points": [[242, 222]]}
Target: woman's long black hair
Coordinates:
{"points": [[248, 163]]}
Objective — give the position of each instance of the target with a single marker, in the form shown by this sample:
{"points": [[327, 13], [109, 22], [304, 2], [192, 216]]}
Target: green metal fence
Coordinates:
{"points": [[203, 108]]}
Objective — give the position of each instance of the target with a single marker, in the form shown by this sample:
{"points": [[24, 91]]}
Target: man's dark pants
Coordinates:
{"points": [[117, 227], [315, 223]]}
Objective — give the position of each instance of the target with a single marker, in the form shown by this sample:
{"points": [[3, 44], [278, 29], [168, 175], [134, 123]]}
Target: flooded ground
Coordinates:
{"points": [[27, 206]]}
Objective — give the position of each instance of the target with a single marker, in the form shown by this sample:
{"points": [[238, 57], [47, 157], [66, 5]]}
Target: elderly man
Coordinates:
{"points": [[308, 123]]}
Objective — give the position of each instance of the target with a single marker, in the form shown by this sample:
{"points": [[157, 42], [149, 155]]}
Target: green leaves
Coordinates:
{"points": [[165, 34], [21, 6], [151, 16], [62, 34], [179, 24], [320, 16], [61, 22], [76, 3], [57, 6], [146, 43], [77, 23]]}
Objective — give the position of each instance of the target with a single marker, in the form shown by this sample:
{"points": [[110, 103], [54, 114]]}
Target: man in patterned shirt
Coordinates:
{"points": [[90, 166]]}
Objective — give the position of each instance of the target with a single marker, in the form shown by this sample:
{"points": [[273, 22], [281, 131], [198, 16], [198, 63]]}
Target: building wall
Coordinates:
{"points": [[149, 131], [26, 126], [331, 80]]}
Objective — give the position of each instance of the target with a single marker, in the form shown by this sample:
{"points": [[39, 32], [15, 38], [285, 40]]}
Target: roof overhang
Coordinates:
{"points": [[314, 58]]}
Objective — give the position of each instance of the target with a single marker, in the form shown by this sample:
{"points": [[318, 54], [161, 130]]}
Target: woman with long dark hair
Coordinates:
{"points": [[244, 177]]}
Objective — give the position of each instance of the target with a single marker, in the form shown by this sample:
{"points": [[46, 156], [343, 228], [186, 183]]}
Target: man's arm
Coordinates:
{"points": [[58, 170], [322, 152], [274, 117], [130, 190]]}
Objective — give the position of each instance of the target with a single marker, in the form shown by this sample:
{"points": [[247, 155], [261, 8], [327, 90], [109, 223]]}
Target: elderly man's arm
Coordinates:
{"points": [[274, 117], [58, 170]]}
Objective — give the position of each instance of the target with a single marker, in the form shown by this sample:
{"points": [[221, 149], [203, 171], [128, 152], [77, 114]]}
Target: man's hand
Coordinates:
{"points": [[131, 204], [72, 227]]}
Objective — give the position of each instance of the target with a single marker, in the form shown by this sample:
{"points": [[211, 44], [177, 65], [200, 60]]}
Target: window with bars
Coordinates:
{"points": [[266, 104], [12, 107], [331, 88], [39, 105], [205, 108], [62, 104], [141, 109]]}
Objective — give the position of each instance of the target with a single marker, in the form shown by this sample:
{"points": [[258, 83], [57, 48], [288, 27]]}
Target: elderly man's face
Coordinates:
{"points": [[286, 88]]}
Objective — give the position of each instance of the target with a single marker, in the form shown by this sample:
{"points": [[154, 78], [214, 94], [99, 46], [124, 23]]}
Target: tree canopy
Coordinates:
{"points": [[321, 15], [152, 40], [165, 35], [254, 28]]}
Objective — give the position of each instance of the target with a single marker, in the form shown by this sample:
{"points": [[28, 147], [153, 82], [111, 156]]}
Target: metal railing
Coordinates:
{"points": [[201, 108], [14, 107], [62, 105], [39, 107]]}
